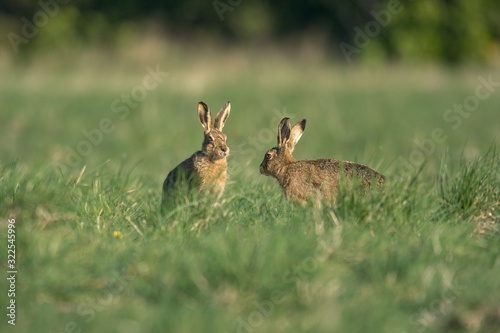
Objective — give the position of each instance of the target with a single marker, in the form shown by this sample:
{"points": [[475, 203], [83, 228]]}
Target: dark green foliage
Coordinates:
{"points": [[450, 31]]}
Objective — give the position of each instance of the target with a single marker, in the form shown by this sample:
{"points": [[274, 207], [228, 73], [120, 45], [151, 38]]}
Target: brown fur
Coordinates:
{"points": [[302, 179], [206, 169]]}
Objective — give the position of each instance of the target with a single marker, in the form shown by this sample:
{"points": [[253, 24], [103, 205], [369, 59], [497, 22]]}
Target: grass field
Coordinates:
{"points": [[82, 166]]}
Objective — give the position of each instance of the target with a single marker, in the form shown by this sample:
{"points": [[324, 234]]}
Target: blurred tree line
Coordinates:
{"points": [[450, 31]]}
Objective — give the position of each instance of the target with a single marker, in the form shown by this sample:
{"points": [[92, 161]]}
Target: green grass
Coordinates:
{"points": [[94, 254]]}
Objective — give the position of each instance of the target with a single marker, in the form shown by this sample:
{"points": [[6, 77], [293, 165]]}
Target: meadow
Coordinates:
{"points": [[86, 143]]}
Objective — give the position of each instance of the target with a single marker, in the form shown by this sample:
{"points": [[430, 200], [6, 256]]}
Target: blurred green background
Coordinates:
{"points": [[356, 67]]}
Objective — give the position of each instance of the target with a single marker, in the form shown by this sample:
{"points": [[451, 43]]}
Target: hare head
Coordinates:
{"points": [[214, 145], [278, 158]]}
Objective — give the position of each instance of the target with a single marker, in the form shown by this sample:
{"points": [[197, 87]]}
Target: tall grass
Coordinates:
{"points": [[474, 190], [95, 252]]}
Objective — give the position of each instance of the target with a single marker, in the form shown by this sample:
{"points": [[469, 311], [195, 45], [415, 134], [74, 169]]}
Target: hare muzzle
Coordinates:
{"points": [[263, 168], [224, 151]]}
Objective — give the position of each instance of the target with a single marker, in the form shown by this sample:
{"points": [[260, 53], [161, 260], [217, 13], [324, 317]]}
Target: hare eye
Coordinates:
{"points": [[210, 138], [268, 156]]}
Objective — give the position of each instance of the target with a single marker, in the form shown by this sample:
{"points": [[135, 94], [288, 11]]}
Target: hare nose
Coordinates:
{"points": [[224, 149]]}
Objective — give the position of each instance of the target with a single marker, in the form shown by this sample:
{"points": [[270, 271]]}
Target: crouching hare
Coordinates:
{"points": [[206, 169], [303, 178]]}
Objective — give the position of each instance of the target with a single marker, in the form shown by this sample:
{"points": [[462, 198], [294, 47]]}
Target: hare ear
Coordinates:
{"points": [[296, 133], [283, 131], [205, 116], [221, 117]]}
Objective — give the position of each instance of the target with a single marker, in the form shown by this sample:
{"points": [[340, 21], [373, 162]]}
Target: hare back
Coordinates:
{"points": [[184, 172], [325, 175], [198, 171]]}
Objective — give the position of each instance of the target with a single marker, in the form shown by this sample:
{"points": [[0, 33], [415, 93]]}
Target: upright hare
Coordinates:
{"points": [[206, 169]]}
